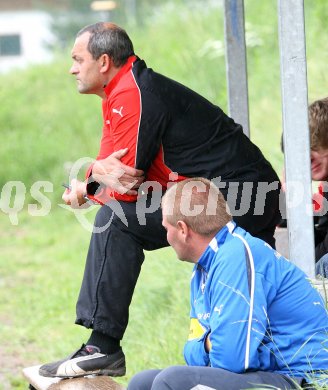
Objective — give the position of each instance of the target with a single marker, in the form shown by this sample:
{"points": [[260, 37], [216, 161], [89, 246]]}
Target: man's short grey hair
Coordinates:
{"points": [[108, 38]]}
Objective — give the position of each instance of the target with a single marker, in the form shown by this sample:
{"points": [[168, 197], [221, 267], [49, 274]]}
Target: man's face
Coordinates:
{"points": [[319, 164], [85, 68], [176, 238]]}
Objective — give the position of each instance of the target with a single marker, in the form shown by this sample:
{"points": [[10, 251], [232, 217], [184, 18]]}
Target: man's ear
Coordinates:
{"points": [[105, 63], [183, 229]]}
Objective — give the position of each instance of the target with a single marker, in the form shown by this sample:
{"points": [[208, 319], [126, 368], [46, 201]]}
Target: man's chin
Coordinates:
{"points": [[185, 260], [318, 176]]}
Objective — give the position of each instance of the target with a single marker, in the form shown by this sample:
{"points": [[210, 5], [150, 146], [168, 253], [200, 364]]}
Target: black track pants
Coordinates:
{"points": [[113, 264]]}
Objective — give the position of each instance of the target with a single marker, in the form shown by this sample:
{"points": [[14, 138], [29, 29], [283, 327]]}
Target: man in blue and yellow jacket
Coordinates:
{"points": [[255, 318]]}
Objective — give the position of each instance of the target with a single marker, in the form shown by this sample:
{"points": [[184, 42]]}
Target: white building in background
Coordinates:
{"points": [[25, 29], [25, 32], [24, 38]]}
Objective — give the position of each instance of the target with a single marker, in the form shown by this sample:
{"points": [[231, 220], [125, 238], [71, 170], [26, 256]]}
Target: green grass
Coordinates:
{"points": [[45, 125]]}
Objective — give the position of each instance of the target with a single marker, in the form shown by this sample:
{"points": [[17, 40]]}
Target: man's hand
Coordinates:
{"points": [[116, 175], [74, 196]]}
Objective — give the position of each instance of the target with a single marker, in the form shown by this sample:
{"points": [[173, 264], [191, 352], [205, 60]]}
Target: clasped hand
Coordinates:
{"points": [[111, 172], [119, 177]]}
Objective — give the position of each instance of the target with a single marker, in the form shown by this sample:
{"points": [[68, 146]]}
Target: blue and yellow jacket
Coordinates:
{"points": [[259, 310]]}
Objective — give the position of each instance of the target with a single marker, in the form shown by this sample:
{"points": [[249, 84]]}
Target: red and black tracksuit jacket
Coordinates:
{"points": [[170, 128]]}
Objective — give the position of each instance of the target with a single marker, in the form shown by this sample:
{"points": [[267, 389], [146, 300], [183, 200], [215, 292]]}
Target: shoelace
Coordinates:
{"points": [[86, 350]]}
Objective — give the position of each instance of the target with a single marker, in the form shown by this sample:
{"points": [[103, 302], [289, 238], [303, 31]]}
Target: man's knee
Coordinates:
{"points": [[321, 267], [143, 380], [171, 378], [104, 214], [110, 214]]}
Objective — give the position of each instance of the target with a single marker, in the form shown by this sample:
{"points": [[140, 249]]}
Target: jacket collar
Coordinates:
{"points": [[125, 68], [206, 259]]}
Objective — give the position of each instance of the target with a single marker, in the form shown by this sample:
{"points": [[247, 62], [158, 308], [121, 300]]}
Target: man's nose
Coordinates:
{"points": [[72, 70]]}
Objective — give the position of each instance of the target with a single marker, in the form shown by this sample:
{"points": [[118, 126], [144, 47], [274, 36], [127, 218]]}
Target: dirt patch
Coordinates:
{"points": [[11, 367], [12, 364]]}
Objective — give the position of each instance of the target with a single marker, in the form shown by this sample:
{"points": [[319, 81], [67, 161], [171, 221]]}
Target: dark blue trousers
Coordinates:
{"points": [[209, 378]]}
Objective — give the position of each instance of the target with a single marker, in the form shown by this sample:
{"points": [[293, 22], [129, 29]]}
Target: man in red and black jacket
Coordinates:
{"points": [[155, 131]]}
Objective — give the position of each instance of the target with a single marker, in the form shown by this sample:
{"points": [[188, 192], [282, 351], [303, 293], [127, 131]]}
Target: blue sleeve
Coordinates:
{"points": [[236, 331], [194, 352]]}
